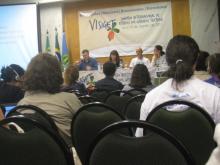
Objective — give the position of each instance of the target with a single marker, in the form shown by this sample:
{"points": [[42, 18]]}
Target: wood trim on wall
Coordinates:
{"points": [[180, 16]]}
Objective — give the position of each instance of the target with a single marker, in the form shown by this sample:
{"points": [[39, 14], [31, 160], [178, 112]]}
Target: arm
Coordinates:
{"points": [[94, 65], [131, 63]]}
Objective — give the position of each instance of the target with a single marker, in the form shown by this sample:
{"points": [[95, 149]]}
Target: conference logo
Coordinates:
{"points": [[110, 26], [112, 30]]}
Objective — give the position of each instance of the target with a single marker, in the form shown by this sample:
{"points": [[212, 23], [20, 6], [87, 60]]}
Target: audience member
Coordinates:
{"points": [[140, 59], [87, 63], [109, 83], [215, 156], [42, 82], [201, 66], [140, 79], [214, 69], [11, 84], [114, 58], [159, 59], [182, 52], [71, 76]]}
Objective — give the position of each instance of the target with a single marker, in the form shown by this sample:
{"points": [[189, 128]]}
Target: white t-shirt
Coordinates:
{"points": [[194, 90], [136, 61]]}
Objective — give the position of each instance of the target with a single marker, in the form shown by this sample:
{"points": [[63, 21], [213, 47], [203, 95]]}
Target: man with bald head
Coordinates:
{"points": [[140, 59]]}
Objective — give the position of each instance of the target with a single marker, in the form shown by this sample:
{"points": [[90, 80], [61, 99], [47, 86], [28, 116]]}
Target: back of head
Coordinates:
{"points": [[140, 77], [214, 64], [11, 73], [201, 63], [181, 55], [43, 74], [71, 74], [109, 69]]}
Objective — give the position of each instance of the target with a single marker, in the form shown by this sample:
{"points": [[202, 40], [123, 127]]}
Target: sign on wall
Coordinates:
{"points": [[125, 28]]}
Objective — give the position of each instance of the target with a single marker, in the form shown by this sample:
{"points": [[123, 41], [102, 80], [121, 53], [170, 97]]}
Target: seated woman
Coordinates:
{"points": [[201, 66], [182, 52], [214, 69], [114, 58], [10, 84], [43, 80], [71, 76], [140, 79], [159, 59]]}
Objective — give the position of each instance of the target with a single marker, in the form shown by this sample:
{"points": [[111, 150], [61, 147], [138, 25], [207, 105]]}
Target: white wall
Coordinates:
{"points": [[51, 18], [204, 24]]}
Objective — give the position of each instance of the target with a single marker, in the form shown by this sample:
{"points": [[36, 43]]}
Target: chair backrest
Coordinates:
{"points": [[157, 147], [118, 102], [87, 99], [86, 124], [34, 112], [193, 126], [133, 106], [137, 91], [100, 94], [38, 146]]}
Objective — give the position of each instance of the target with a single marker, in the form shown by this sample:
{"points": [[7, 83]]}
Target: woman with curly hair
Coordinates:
{"points": [[42, 82]]}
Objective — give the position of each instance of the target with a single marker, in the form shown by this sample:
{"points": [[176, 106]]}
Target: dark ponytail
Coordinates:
{"points": [[181, 54]]}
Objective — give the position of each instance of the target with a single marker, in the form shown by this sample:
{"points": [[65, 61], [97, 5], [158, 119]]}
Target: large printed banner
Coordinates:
{"points": [[125, 28]]}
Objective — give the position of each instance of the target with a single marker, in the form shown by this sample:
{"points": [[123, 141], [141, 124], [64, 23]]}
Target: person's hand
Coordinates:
{"points": [[88, 68], [77, 62]]}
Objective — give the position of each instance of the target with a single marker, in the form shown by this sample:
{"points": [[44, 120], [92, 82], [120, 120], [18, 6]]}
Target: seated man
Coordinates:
{"points": [[109, 83], [140, 59], [87, 63]]}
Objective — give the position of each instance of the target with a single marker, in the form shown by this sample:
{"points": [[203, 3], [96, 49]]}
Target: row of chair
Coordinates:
{"points": [[192, 128]]}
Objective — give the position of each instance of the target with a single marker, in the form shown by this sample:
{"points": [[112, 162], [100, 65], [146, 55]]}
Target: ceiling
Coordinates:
{"points": [[33, 1]]}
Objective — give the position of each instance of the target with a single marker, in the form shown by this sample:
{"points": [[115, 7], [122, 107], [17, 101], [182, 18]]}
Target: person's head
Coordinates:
{"points": [[12, 73], [181, 55], [214, 64], [140, 77], [109, 69], [114, 57], [85, 54], [139, 53], [201, 63], [71, 75], [43, 74], [158, 50]]}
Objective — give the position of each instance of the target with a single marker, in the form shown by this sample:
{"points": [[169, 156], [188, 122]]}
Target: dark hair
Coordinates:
{"points": [[85, 51], [214, 64], [115, 52], [109, 69], [140, 77], [10, 73], [71, 74], [43, 74], [160, 48], [201, 63], [181, 54]]}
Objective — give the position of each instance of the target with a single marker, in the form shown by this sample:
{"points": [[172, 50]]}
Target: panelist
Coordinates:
{"points": [[140, 59], [87, 63]]}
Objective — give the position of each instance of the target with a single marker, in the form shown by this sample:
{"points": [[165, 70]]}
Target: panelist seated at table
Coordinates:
{"points": [[140, 59], [87, 63], [159, 59], [109, 83], [115, 58]]}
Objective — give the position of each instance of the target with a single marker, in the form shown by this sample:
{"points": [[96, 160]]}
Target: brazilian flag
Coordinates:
{"points": [[65, 52], [47, 47], [57, 46]]}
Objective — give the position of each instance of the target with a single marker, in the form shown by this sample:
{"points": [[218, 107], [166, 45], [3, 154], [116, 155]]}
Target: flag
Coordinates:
{"points": [[57, 46], [47, 48], [65, 51]]}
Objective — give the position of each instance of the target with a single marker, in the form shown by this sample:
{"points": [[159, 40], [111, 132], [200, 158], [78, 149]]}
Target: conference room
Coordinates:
{"points": [[100, 82]]}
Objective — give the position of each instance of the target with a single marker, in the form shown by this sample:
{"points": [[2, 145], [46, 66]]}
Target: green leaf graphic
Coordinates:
{"points": [[116, 30]]}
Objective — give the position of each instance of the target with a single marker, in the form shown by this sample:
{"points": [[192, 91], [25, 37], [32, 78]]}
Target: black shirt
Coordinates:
{"points": [[108, 83], [10, 93]]}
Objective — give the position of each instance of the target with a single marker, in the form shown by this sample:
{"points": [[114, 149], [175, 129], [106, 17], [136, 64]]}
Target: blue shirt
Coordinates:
{"points": [[214, 81], [91, 63]]}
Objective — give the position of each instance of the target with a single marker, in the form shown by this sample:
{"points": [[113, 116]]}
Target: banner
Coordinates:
{"points": [[125, 28]]}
